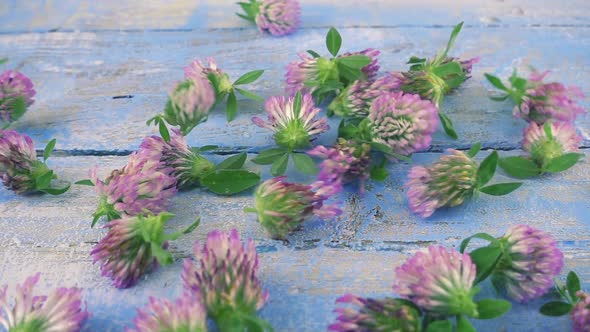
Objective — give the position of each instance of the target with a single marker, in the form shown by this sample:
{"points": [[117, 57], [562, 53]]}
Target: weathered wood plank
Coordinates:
{"points": [[78, 74], [87, 15]]}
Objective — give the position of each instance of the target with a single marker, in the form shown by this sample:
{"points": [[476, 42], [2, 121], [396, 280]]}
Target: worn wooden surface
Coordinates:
{"points": [[81, 54]]}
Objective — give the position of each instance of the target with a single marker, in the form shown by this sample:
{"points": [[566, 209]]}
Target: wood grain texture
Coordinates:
{"points": [[78, 74], [356, 253]]}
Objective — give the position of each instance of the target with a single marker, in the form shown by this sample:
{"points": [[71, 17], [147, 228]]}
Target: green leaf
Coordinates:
{"points": [[85, 182], [43, 181], [267, 157], [486, 169], [485, 260], [447, 125], [519, 167], [379, 173], [192, 227], [483, 236], [449, 68], [206, 148], [279, 166], [348, 74], [164, 131], [388, 151], [518, 83], [297, 104], [563, 162], [496, 82], [189, 229], [162, 256], [231, 107], [499, 98], [333, 41], [304, 163], [313, 53], [492, 308], [249, 77], [547, 129], [3, 61], [500, 189], [416, 60], [464, 325], [230, 181], [48, 149], [19, 107], [440, 326], [452, 38], [354, 61], [248, 94], [555, 308], [233, 162], [573, 284], [56, 191], [249, 9], [474, 150]]}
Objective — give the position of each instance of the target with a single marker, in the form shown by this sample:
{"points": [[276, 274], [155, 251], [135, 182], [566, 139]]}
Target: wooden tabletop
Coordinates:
{"points": [[82, 54]]}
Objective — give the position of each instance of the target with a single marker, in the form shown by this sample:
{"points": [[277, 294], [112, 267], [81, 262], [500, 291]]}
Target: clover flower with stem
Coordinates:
{"points": [[133, 246], [324, 77], [61, 310], [574, 302], [224, 276], [186, 314], [277, 17], [222, 84], [20, 170], [143, 186], [453, 179], [376, 315], [295, 124], [16, 95], [537, 101], [282, 206]]}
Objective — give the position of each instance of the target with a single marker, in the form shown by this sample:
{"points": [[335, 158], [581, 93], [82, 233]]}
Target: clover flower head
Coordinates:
{"points": [[184, 164], [346, 161], [308, 69], [580, 313], [278, 17], [355, 100], [223, 275], [543, 148], [293, 130], [143, 186], [404, 122], [189, 103], [132, 247], [207, 71], [439, 280], [448, 182], [529, 263], [61, 310], [371, 315], [186, 314], [549, 101], [283, 206], [14, 86]]}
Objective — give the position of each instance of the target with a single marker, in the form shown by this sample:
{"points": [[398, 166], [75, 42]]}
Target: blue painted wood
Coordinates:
{"points": [[77, 76]]}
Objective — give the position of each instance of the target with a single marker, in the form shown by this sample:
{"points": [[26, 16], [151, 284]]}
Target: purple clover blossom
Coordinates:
{"points": [[404, 122], [308, 69], [293, 131], [530, 261], [143, 186], [60, 311], [448, 182], [177, 158], [542, 148], [345, 162], [580, 313], [19, 166], [370, 71], [370, 315], [223, 275], [186, 314], [210, 70], [439, 280], [14, 86], [278, 17], [132, 247], [189, 103], [549, 101], [355, 100], [282, 206]]}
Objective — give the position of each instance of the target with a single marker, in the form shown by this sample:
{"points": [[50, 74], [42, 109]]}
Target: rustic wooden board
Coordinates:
{"points": [[357, 252], [78, 74]]}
